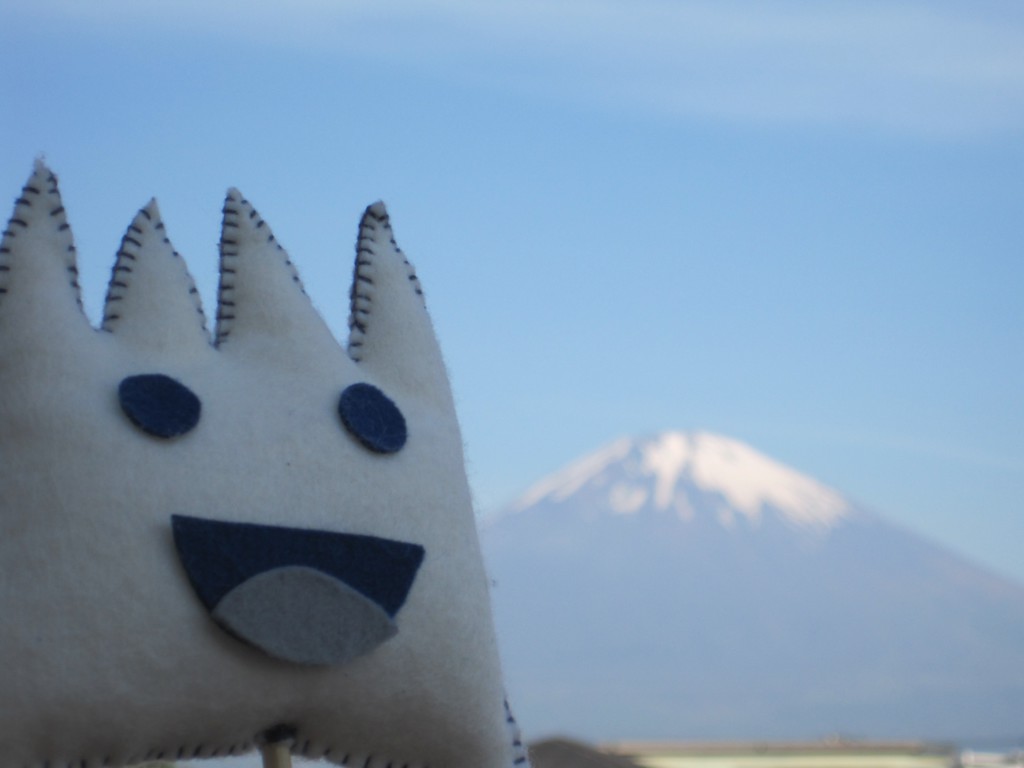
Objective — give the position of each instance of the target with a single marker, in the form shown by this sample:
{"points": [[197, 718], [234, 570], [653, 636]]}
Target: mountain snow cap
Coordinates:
{"points": [[664, 473]]}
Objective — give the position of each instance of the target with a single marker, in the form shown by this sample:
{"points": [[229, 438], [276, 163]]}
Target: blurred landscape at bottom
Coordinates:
{"points": [[830, 753], [834, 752]]}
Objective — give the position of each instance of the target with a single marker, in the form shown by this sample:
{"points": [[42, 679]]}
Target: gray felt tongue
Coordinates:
{"points": [[304, 615]]}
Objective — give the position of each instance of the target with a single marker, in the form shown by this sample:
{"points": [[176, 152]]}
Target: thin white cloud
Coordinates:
{"points": [[933, 68]]}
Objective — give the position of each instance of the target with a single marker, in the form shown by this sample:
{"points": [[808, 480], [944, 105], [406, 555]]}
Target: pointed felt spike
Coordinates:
{"points": [[39, 290], [261, 300], [390, 332], [152, 300]]}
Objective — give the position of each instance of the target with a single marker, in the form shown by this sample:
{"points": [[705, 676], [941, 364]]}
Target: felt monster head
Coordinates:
{"points": [[205, 545]]}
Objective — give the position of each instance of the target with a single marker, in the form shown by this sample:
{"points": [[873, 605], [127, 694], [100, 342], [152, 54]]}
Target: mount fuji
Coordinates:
{"points": [[687, 586]]}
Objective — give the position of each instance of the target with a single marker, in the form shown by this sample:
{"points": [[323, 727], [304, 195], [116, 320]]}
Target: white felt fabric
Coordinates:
{"points": [[107, 657]]}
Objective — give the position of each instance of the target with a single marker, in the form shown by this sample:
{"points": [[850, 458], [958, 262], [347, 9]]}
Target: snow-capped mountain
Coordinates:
{"points": [[681, 472], [687, 586]]}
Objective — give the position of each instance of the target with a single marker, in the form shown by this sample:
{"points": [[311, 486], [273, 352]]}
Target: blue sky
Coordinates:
{"points": [[798, 224]]}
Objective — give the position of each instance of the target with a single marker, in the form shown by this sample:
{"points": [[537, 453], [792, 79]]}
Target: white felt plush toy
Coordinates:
{"points": [[207, 546]]}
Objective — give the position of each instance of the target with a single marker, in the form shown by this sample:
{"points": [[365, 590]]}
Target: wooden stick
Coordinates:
{"points": [[276, 755]]}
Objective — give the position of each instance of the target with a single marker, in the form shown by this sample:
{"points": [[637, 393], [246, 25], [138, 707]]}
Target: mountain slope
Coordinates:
{"points": [[688, 586]]}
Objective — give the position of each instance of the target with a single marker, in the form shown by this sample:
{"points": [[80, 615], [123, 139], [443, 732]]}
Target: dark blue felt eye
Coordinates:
{"points": [[372, 418], [159, 405]]}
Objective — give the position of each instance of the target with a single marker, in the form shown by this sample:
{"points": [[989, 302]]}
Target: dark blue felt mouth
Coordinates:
{"points": [[307, 596]]}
